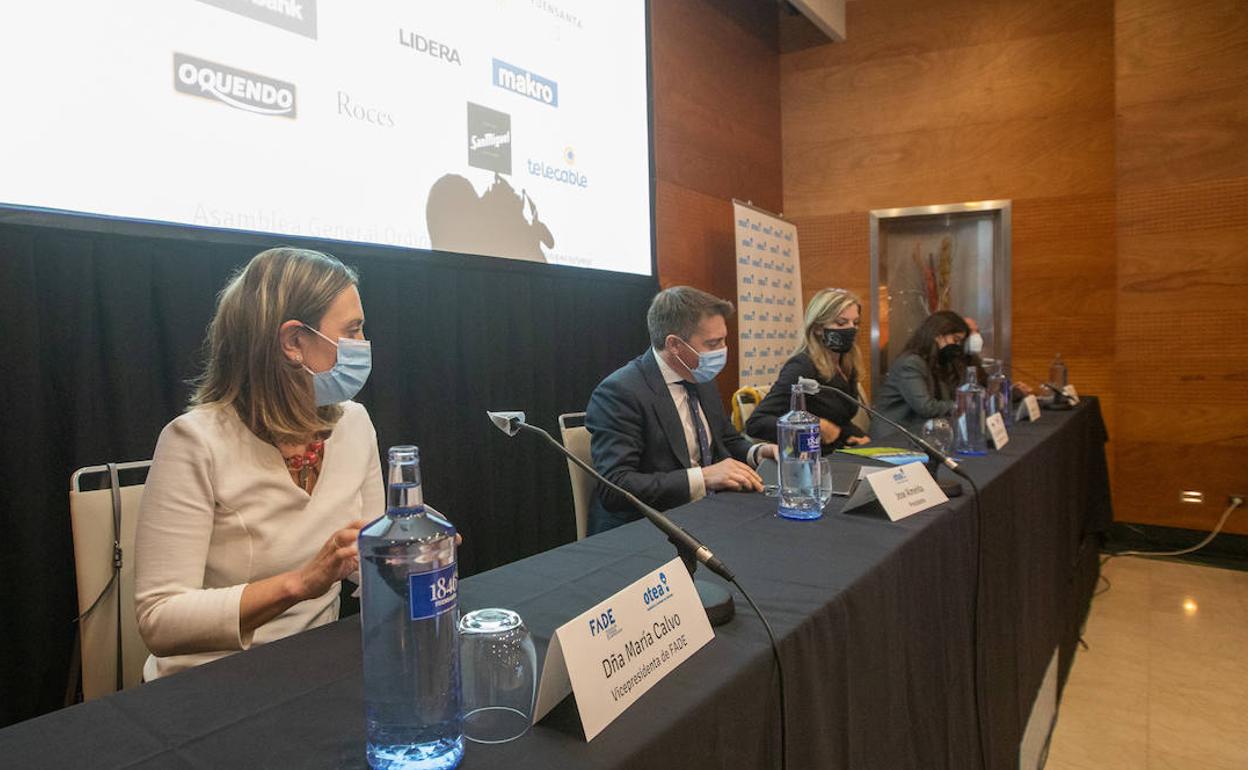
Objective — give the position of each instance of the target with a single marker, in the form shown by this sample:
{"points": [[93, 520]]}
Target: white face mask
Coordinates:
{"points": [[974, 344], [710, 363]]}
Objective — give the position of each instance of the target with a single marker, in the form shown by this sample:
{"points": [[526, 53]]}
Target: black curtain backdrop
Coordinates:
{"points": [[102, 331]]}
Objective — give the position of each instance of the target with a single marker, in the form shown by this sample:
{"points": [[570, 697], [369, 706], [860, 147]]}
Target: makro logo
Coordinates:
{"points": [[489, 139], [422, 44], [604, 623], [350, 108], [236, 88], [298, 16], [525, 83]]}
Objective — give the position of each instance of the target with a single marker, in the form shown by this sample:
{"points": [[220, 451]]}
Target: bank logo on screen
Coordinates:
{"points": [[489, 139], [525, 83], [298, 16], [235, 88]]}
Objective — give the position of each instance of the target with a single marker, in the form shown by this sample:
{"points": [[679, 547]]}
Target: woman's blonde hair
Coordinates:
{"points": [[246, 368], [824, 308]]}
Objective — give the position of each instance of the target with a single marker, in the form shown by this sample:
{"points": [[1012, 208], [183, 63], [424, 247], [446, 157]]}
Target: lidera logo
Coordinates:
{"points": [[525, 83]]}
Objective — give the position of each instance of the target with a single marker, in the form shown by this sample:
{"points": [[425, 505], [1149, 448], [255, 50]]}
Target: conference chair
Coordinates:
{"points": [[103, 511], [743, 403], [576, 438]]}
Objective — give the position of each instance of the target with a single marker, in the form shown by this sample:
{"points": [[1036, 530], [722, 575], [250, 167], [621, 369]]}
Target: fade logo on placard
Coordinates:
{"points": [[298, 16], [422, 44], [604, 623], [236, 88], [489, 139], [350, 108], [521, 81], [564, 173]]}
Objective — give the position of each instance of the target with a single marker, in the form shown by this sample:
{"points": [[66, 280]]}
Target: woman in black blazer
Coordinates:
{"points": [[827, 354]]}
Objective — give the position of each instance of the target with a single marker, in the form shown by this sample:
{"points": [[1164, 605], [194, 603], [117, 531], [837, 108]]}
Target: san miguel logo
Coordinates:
{"points": [[235, 88]]}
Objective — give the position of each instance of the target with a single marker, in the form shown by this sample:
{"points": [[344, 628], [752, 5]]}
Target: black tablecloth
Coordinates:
{"points": [[880, 625]]}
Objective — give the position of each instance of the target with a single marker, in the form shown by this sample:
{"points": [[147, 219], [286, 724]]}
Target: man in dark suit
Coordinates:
{"points": [[657, 425]]}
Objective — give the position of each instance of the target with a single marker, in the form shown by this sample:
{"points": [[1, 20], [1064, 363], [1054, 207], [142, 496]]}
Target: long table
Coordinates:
{"points": [[915, 644]]}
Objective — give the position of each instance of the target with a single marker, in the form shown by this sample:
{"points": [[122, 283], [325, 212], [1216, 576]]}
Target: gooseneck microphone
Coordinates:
{"points": [[811, 387], [691, 550], [689, 546]]}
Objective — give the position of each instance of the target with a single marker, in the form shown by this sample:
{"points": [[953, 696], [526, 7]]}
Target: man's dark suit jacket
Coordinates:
{"points": [[638, 442]]}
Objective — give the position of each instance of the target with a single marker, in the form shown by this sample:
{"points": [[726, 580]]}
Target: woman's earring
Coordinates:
{"points": [[298, 358]]}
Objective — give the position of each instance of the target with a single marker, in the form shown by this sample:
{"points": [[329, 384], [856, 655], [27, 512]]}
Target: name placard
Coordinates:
{"points": [[1070, 392], [1030, 408], [906, 490], [613, 653], [996, 429]]}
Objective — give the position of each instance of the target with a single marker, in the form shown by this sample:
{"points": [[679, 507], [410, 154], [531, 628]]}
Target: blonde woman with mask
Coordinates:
{"points": [[257, 493], [827, 353]]}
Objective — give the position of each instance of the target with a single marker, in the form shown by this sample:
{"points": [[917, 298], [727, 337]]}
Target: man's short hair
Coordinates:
{"points": [[679, 310]]}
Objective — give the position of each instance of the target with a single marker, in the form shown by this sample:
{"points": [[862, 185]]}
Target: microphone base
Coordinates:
{"points": [[950, 488], [716, 600]]}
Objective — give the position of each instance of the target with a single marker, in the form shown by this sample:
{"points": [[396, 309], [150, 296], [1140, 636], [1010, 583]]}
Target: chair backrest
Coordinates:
{"points": [[576, 439], [744, 400], [862, 419], [106, 593]]}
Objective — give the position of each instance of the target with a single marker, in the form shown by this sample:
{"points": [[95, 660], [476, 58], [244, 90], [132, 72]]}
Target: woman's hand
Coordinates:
{"points": [[338, 557], [857, 440], [829, 431], [265, 599]]}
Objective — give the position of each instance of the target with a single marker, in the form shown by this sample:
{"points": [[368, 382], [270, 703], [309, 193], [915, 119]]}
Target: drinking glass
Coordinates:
{"points": [[939, 433], [498, 662]]}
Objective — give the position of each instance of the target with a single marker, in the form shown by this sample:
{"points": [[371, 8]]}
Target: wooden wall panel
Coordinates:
{"points": [[696, 248], [1036, 77], [716, 96], [1167, 50], [1181, 358], [885, 29], [969, 100], [1032, 157]]}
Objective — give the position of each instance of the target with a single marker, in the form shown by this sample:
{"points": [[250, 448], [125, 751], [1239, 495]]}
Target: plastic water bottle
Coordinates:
{"points": [[998, 391], [969, 430], [409, 614], [800, 451], [1057, 373]]}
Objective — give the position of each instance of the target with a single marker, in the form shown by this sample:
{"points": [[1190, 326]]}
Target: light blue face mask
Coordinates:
{"points": [[348, 374], [710, 363]]}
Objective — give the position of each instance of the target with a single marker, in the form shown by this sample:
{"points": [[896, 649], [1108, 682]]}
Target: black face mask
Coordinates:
{"points": [[949, 354], [839, 340]]}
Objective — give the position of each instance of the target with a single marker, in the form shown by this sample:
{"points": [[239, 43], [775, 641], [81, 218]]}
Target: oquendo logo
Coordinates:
{"points": [[235, 88]]}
